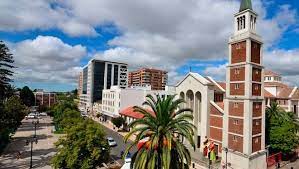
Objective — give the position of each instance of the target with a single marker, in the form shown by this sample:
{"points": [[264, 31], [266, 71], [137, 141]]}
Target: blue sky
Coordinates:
{"points": [[51, 40]]}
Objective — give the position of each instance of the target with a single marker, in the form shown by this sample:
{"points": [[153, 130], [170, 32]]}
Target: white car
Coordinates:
{"points": [[43, 114], [111, 142], [31, 116], [127, 164]]}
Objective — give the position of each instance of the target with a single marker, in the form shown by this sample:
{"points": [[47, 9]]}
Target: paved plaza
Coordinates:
{"points": [[42, 151]]}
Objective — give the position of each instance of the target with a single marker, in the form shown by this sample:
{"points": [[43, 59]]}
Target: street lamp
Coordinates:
{"points": [[31, 140], [35, 124], [226, 150]]}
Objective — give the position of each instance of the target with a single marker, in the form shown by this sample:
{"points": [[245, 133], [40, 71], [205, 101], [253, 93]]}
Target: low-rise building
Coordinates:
{"points": [[115, 99], [286, 96], [44, 98]]}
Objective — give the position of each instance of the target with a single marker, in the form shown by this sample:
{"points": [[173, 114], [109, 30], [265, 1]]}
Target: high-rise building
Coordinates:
{"points": [[80, 83], [157, 79], [244, 106], [98, 75]]}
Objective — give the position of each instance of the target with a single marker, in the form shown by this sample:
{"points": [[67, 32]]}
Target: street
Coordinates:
{"points": [[121, 146], [42, 151]]}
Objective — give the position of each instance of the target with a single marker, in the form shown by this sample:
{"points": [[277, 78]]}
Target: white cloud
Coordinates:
{"points": [[217, 72], [46, 59], [157, 33]]}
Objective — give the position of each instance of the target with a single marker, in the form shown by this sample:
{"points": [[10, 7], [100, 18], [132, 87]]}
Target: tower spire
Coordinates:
{"points": [[245, 4]]}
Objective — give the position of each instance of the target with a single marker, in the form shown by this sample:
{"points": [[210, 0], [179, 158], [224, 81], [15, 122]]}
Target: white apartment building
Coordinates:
{"points": [[116, 99], [97, 76]]}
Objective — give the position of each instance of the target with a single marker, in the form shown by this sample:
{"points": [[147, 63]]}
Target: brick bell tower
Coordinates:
{"points": [[244, 117]]}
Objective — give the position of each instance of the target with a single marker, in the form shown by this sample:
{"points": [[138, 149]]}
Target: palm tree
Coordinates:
{"points": [[274, 111], [161, 129]]}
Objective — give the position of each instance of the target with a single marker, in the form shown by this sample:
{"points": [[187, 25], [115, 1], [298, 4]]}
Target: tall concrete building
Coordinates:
{"points": [[157, 79], [99, 75], [80, 83], [244, 106]]}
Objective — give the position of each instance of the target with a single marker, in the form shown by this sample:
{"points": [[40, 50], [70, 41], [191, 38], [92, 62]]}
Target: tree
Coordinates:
{"points": [[84, 147], [118, 121], [6, 60], [11, 115], [281, 129], [283, 136], [27, 96], [161, 130]]}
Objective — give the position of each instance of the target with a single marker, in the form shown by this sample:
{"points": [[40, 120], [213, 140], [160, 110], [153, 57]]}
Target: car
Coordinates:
{"points": [[43, 114], [127, 164], [111, 142], [31, 116]]}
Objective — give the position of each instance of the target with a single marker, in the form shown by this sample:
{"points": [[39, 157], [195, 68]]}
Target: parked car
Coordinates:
{"points": [[111, 142], [43, 114], [31, 116], [127, 164]]}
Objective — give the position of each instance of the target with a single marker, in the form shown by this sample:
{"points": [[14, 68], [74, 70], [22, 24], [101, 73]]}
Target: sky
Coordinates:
{"points": [[51, 40]]}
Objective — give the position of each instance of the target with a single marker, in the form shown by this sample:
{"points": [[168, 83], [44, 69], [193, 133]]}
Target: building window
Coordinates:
{"points": [[237, 86], [256, 87], [236, 105], [235, 138], [257, 106], [257, 123], [257, 72], [256, 140], [236, 122], [237, 71]]}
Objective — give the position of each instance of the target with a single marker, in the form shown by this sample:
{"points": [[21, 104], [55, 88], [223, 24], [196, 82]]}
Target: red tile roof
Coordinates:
{"points": [[268, 94], [296, 94], [129, 111], [270, 73]]}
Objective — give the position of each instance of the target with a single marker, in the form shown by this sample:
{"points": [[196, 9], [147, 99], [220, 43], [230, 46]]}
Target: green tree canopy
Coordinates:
{"points": [[281, 129], [6, 61], [118, 121], [11, 115], [163, 148], [83, 147], [27, 96]]}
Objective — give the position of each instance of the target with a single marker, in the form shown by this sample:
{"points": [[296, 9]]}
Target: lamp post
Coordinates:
{"points": [[31, 141], [226, 150], [35, 125]]}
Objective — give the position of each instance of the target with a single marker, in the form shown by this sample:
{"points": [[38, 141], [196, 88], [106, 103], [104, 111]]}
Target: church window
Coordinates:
{"points": [[235, 138], [237, 71], [236, 122], [237, 86]]}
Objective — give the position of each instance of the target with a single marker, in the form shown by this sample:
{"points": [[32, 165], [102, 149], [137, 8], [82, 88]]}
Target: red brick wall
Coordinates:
{"points": [[240, 91], [237, 74], [255, 52], [216, 134], [257, 110], [216, 121], [238, 52], [235, 128], [256, 74], [215, 111], [218, 97], [236, 111], [256, 144], [256, 126], [256, 89], [236, 145]]}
